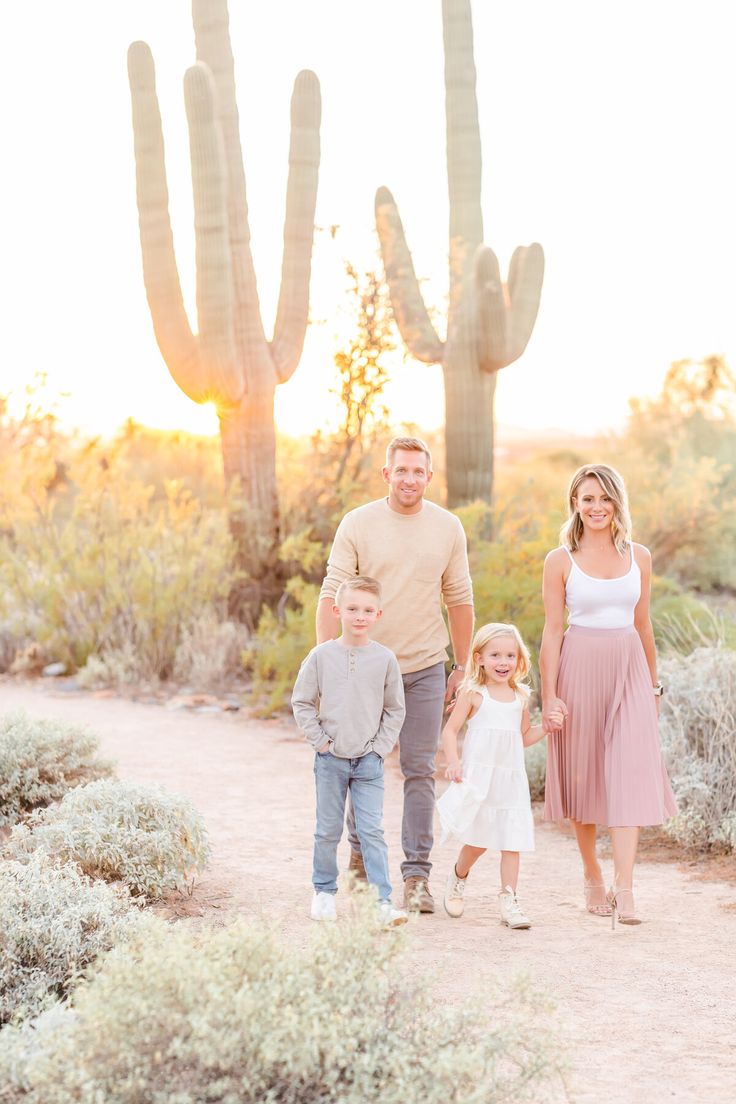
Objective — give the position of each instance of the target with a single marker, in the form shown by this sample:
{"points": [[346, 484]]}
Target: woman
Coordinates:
{"points": [[604, 766]]}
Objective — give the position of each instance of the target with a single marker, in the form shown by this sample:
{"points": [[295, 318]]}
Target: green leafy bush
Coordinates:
{"points": [[53, 923], [280, 644], [40, 760], [107, 570], [242, 1016], [698, 727], [143, 836]]}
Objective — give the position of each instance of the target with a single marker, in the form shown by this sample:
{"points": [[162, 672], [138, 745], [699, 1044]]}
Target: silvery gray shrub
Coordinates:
{"points": [[141, 835], [698, 727], [241, 1015], [53, 923], [40, 760]]}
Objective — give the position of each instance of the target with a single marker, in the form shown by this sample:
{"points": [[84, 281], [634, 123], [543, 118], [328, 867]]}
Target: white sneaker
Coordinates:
{"points": [[323, 906], [390, 916], [454, 900], [511, 914]]}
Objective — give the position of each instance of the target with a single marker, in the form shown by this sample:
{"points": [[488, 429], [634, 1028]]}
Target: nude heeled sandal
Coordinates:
{"points": [[627, 918], [605, 907]]}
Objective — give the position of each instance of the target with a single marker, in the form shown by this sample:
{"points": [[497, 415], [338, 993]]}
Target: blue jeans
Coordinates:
{"points": [[363, 779]]}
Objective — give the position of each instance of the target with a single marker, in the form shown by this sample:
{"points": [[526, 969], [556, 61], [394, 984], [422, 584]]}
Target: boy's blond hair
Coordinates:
{"points": [[358, 582], [475, 675], [410, 444]]}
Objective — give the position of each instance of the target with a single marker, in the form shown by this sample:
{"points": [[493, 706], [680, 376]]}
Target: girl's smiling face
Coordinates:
{"points": [[499, 659]]}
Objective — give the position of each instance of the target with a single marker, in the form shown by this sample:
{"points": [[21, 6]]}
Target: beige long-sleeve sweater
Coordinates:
{"points": [[420, 561]]}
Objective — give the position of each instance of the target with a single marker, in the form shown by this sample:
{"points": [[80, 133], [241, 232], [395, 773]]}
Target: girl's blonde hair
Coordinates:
{"points": [[614, 486], [475, 675]]}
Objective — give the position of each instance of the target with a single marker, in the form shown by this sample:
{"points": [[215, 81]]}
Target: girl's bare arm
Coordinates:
{"points": [[464, 707], [532, 734]]}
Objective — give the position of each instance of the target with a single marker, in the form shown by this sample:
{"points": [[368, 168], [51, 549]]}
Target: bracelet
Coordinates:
{"points": [[457, 667], [658, 690]]}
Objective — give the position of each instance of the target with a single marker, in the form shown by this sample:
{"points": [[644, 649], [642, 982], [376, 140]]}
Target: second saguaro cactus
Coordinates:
{"points": [[229, 361], [489, 323]]}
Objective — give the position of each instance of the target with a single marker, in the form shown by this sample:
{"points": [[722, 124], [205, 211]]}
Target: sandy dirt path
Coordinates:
{"points": [[651, 1010]]}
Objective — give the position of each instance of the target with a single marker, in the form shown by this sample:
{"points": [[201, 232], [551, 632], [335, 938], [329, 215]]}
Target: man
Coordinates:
{"points": [[418, 552]]}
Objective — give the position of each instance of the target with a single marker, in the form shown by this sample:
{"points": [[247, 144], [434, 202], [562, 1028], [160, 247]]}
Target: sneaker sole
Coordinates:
{"points": [[515, 927]]}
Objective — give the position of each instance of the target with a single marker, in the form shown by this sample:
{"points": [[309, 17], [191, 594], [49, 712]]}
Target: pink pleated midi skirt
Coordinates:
{"points": [[605, 767]]}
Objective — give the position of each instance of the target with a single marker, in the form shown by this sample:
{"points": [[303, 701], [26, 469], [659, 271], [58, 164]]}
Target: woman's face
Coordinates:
{"points": [[594, 506]]}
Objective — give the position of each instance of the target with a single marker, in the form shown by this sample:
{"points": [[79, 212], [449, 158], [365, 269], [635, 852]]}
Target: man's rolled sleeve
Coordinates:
{"points": [[304, 703], [394, 711], [457, 586], [342, 562]]}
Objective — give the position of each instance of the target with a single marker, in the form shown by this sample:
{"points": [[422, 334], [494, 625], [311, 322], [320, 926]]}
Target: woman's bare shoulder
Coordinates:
{"points": [[641, 554], [556, 558]]}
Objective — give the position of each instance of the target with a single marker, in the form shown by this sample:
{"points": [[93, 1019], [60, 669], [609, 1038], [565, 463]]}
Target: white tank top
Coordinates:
{"points": [[602, 603]]}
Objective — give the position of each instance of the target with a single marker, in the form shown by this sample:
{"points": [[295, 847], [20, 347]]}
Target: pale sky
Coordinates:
{"points": [[608, 135]]}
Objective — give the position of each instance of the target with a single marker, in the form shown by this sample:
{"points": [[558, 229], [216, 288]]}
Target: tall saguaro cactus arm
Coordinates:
{"points": [[301, 197], [464, 162], [175, 339], [506, 315], [408, 305], [219, 363]]}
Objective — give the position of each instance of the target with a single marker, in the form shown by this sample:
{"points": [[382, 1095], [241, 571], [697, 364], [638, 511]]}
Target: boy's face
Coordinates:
{"points": [[358, 610]]}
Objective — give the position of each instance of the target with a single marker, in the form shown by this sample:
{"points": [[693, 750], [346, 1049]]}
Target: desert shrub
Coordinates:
{"points": [[105, 569], [143, 836], [53, 923], [279, 645], [118, 667], [241, 1015], [210, 652], [535, 760], [40, 760], [698, 727]]}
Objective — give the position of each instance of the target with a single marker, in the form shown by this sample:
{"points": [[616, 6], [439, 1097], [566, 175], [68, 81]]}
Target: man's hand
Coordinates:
{"points": [[454, 771], [554, 712], [454, 680]]}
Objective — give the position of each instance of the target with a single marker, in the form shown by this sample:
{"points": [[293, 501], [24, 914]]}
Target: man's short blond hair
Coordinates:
{"points": [[411, 444], [358, 582]]}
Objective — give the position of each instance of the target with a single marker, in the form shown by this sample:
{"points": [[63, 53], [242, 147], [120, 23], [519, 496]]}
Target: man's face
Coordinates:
{"points": [[407, 479]]}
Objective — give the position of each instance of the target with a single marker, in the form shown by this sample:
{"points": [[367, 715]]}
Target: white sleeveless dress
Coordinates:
{"points": [[491, 807]]}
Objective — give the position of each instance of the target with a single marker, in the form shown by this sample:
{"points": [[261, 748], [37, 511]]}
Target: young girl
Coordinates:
{"points": [[488, 804]]}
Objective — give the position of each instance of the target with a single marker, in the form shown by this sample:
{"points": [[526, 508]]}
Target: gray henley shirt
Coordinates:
{"points": [[351, 697]]}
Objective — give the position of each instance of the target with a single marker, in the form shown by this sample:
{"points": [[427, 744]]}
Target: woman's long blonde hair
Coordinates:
{"points": [[475, 675], [614, 486]]}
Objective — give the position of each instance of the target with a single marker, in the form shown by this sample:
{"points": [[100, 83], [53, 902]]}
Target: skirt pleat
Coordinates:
{"points": [[605, 766]]}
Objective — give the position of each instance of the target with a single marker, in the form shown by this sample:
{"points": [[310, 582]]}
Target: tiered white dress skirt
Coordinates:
{"points": [[491, 807]]}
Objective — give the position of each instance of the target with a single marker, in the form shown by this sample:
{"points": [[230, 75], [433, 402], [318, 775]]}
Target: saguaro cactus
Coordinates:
{"points": [[489, 322], [229, 361]]}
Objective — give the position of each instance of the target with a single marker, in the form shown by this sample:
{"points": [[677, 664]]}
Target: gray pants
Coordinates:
{"points": [[425, 695]]}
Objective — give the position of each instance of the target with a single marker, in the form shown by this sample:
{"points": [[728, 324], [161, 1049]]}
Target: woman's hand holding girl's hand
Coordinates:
{"points": [[554, 712], [454, 771]]}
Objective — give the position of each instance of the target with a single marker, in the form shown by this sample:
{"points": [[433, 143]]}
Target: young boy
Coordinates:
{"points": [[348, 701]]}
